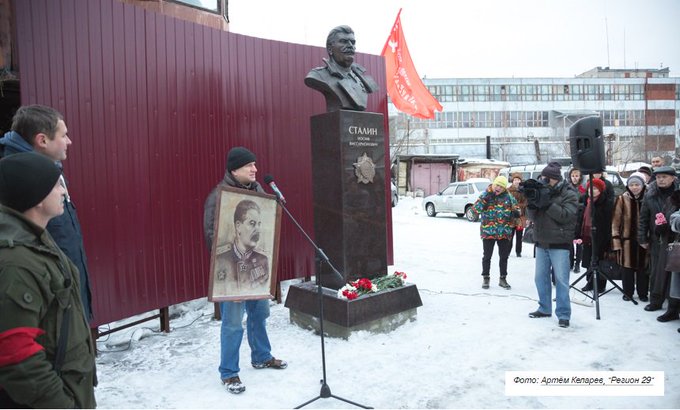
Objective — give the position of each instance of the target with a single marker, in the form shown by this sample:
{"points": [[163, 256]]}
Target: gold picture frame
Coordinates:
{"points": [[245, 252]]}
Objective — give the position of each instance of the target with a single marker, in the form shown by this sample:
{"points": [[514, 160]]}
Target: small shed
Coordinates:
{"points": [[424, 174]]}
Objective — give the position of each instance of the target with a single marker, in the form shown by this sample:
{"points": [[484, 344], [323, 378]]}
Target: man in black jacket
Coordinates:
{"points": [[654, 233], [553, 213], [42, 129], [240, 173]]}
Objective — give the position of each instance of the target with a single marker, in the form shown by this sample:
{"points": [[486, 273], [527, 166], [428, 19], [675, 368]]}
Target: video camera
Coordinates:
{"points": [[536, 192]]}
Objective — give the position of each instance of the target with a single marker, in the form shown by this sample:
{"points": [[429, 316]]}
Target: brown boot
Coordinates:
{"points": [[503, 283]]}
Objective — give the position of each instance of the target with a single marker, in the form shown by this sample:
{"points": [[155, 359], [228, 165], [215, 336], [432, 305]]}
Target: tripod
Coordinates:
{"points": [[325, 389], [594, 261]]}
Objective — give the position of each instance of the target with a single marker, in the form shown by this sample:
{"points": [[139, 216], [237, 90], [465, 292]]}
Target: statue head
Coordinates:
{"points": [[340, 45]]}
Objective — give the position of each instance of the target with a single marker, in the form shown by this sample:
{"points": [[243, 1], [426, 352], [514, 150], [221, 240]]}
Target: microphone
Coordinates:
{"points": [[269, 180]]}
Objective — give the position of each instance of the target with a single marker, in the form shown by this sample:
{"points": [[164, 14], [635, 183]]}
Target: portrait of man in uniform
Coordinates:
{"points": [[247, 239]]}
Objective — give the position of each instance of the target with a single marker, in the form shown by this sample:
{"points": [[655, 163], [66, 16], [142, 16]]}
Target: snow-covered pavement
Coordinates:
{"points": [[454, 355]]}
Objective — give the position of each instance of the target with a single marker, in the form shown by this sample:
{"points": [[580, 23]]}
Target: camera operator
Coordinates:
{"points": [[552, 208]]}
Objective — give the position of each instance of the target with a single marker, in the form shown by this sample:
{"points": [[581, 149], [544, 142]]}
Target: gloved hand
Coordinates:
{"points": [[578, 241], [662, 230]]}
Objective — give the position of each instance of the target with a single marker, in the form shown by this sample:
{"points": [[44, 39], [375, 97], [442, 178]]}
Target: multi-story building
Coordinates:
{"points": [[527, 120]]}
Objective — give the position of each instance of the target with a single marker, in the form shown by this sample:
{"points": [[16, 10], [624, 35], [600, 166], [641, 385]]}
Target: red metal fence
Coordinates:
{"points": [[152, 105]]}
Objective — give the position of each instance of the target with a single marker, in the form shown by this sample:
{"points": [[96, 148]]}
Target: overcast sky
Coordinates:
{"points": [[485, 38]]}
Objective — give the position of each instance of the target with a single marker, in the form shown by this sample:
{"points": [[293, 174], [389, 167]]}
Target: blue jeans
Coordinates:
{"points": [[231, 334], [559, 260]]}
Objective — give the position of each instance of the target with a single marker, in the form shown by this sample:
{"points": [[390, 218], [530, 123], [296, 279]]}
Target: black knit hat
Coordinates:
{"points": [[553, 170], [26, 179], [238, 157]]}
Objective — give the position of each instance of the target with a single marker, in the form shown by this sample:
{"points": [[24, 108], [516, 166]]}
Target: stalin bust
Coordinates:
{"points": [[344, 84]]}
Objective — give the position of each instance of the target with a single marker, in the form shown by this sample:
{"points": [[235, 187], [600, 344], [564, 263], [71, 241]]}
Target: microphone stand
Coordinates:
{"points": [[594, 261], [325, 389]]}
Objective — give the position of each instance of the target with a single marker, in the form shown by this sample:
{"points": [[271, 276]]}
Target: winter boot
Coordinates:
{"points": [[669, 316], [234, 385], [503, 283], [485, 283]]}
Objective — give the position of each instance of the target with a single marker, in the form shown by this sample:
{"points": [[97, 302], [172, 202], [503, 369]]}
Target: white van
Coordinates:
{"points": [[534, 171]]}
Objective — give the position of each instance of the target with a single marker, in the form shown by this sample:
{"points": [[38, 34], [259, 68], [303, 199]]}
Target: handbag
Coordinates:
{"points": [[673, 257], [610, 266], [528, 236]]}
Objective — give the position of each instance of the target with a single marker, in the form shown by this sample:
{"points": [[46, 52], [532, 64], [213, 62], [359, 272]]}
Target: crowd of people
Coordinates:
{"points": [[578, 222], [47, 355]]}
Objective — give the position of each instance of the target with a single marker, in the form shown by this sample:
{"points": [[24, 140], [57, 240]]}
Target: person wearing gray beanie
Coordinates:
{"points": [[632, 257], [636, 177]]}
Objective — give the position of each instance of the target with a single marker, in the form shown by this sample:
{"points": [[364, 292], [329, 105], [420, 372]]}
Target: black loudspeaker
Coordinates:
{"points": [[587, 145]]}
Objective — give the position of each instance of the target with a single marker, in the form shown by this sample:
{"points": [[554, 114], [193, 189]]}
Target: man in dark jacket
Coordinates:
{"points": [[654, 233], [42, 129], [42, 326], [240, 173], [554, 218]]}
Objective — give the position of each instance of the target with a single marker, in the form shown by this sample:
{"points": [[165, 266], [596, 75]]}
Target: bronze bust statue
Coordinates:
{"points": [[344, 84]]}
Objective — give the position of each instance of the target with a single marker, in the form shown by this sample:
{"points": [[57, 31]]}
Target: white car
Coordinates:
{"points": [[457, 198]]}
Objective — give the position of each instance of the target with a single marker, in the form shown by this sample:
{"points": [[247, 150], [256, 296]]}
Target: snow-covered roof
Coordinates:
{"points": [[631, 166], [482, 161]]}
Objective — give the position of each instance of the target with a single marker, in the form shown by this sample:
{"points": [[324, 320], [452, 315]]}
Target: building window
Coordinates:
{"points": [[213, 6]]}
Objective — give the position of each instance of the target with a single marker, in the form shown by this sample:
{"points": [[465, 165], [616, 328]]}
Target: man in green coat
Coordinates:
{"points": [[46, 352]]}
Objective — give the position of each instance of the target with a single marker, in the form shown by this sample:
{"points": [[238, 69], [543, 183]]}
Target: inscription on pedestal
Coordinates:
{"points": [[348, 160]]}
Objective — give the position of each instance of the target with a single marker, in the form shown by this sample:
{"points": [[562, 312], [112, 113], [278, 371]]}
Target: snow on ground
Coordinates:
{"points": [[454, 355]]}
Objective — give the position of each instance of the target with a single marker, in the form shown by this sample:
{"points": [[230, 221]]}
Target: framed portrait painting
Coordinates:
{"points": [[245, 251]]}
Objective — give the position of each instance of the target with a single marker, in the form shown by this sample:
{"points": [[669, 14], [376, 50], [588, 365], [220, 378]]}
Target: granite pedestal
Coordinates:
{"points": [[376, 312], [348, 181]]}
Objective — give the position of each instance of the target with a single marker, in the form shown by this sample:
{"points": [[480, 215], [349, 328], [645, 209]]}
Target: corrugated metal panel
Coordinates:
{"points": [[152, 105]]}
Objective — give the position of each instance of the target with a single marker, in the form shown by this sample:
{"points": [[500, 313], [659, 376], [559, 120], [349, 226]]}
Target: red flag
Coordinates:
{"points": [[407, 91]]}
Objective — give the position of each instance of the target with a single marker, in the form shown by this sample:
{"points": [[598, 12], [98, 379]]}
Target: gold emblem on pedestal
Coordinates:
{"points": [[364, 169]]}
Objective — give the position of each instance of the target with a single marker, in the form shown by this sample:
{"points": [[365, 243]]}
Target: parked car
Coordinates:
{"points": [[395, 195], [457, 198]]}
